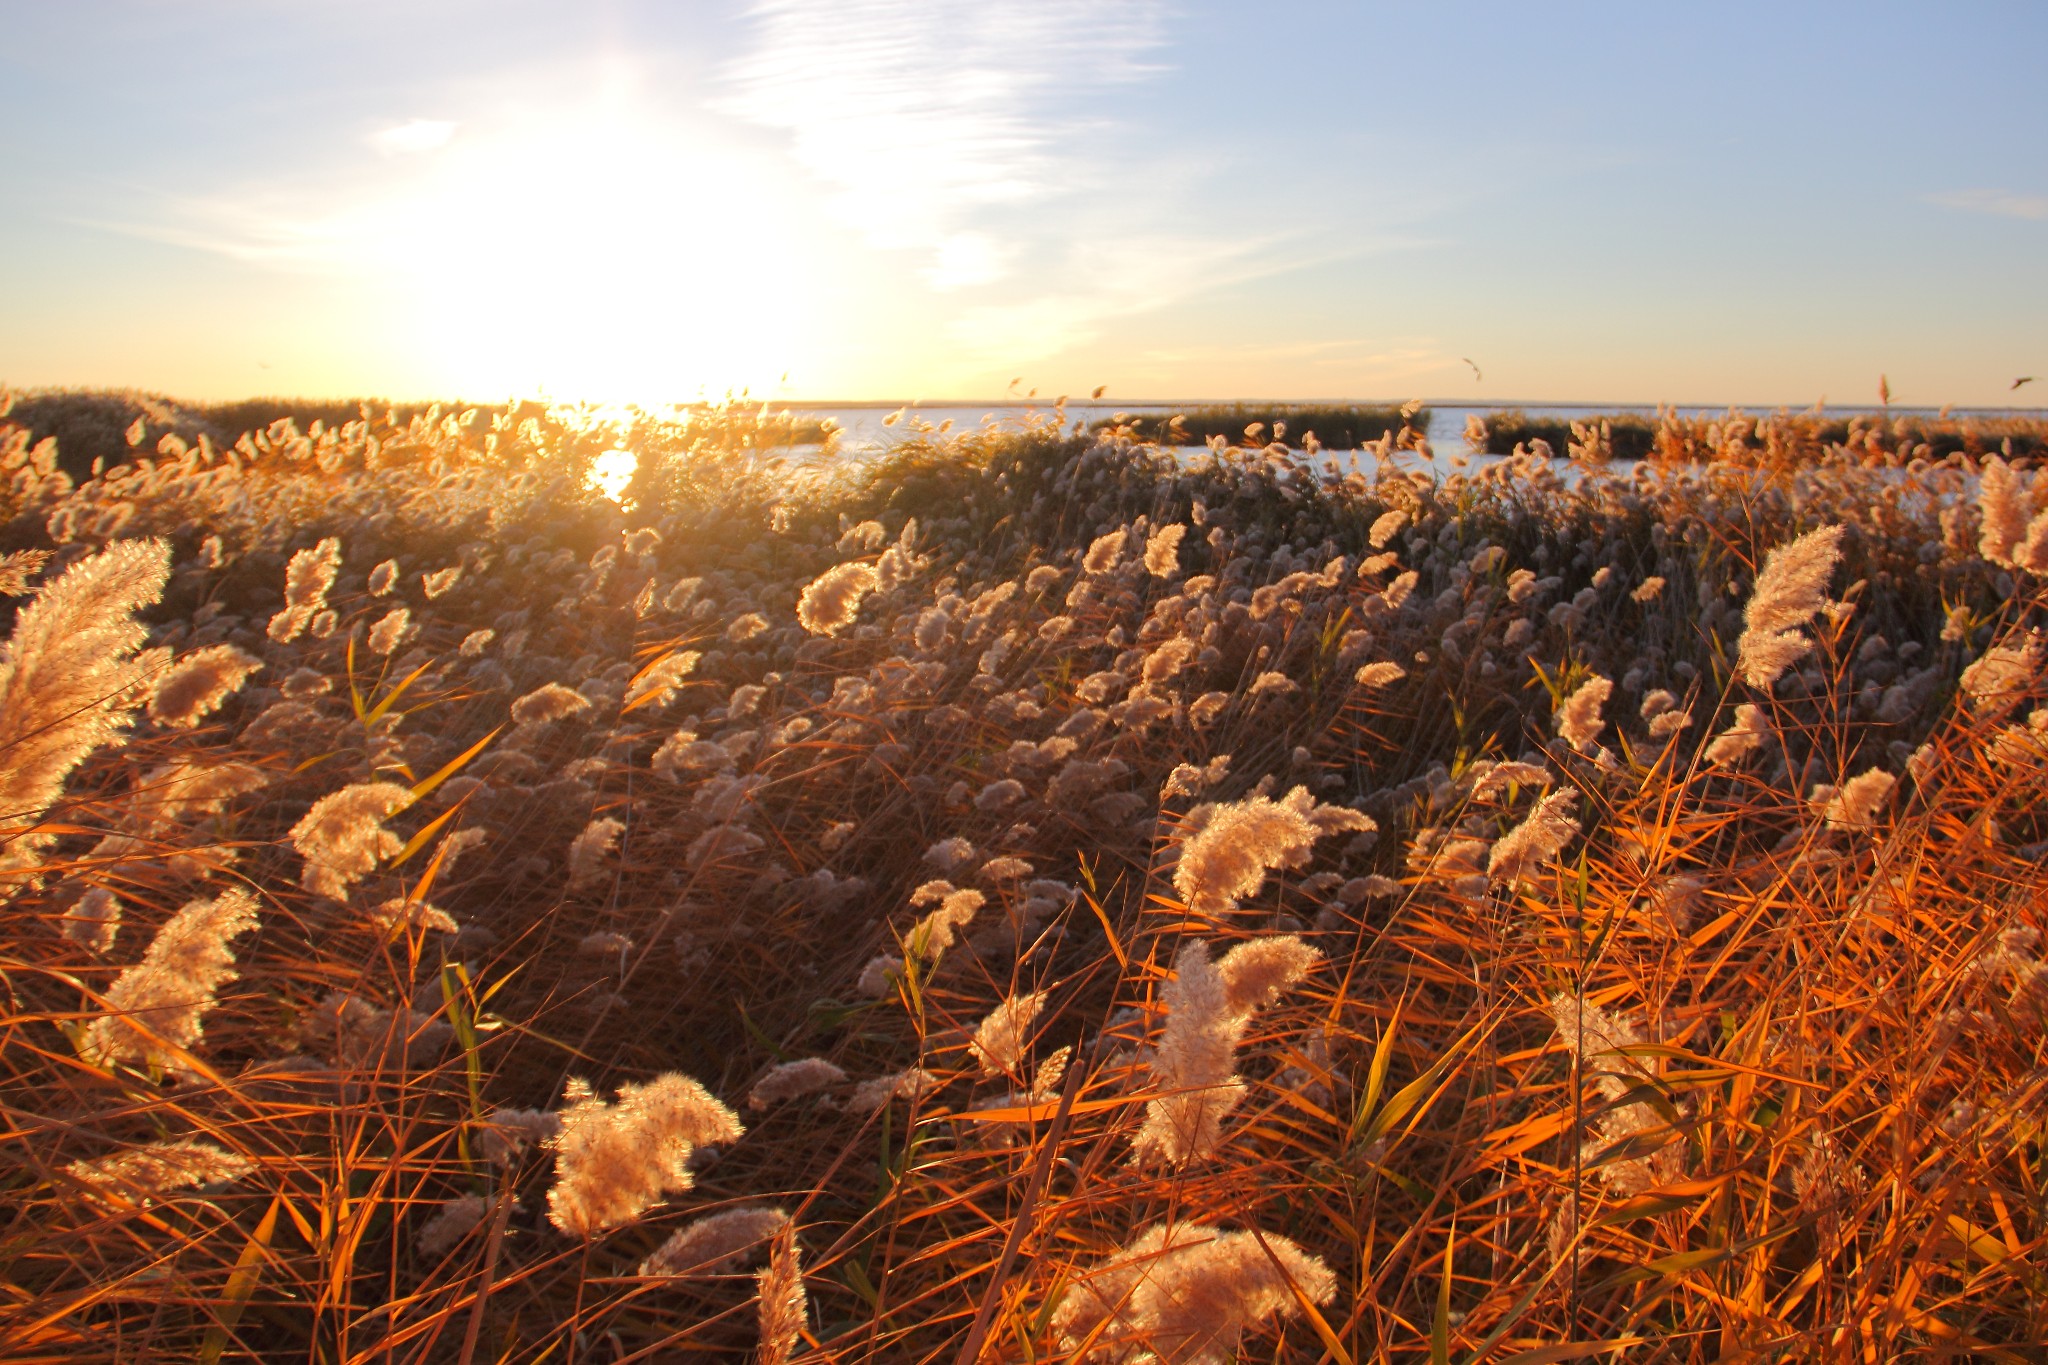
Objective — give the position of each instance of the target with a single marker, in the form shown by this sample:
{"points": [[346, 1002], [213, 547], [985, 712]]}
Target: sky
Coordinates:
{"points": [[663, 200]]}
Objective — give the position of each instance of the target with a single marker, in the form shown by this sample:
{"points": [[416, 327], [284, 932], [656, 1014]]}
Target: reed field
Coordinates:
{"points": [[1028, 896], [1327, 426]]}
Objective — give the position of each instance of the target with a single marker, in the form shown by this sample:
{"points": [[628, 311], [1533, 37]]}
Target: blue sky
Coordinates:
{"points": [[879, 198]]}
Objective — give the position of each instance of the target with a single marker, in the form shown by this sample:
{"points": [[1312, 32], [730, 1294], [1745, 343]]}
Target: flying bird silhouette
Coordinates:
{"points": [[1475, 369], [2023, 379]]}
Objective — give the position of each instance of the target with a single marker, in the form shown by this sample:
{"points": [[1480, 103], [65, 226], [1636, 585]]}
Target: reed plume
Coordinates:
{"points": [[615, 1161], [1856, 804], [156, 1010], [1208, 1007], [17, 567], [94, 920], [393, 629], [999, 1042], [1579, 721], [655, 686], [1744, 736], [1537, 840], [1104, 552], [1162, 550], [454, 1221], [784, 1304], [68, 681], [1230, 848], [2002, 512], [342, 838], [197, 684], [910, 1084], [2003, 673], [307, 580], [589, 851], [713, 1243], [143, 1174], [830, 601], [1183, 1294], [793, 1080], [1791, 588], [547, 704]]}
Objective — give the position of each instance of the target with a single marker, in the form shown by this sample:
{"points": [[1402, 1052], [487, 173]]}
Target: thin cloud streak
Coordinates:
{"points": [[2003, 203], [413, 136]]}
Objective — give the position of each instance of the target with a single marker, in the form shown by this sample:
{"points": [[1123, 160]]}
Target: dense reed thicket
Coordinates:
{"points": [[92, 425], [1028, 896], [1328, 426], [1778, 438]]}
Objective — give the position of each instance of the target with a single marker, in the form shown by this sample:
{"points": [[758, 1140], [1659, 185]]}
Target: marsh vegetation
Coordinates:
{"points": [[1031, 895]]}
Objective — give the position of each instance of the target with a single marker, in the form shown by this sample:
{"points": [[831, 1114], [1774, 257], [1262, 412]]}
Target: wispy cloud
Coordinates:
{"points": [[2003, 203], [1121, 269], [926, 117], [413, 136]]}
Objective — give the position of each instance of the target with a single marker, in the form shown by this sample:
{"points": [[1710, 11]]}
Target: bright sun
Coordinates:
{"points": [[600, 257]]}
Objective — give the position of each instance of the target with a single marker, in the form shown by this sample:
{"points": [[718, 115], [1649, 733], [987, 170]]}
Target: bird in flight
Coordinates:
{"points": [[2023, 379], [1475, 369]]}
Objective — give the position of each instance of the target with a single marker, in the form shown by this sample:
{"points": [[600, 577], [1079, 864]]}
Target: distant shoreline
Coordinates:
{"points": [[1546, 405]]}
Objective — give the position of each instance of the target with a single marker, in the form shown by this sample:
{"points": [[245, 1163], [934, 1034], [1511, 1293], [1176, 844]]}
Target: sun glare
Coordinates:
{"points": [[612, 471], [598, 255]]}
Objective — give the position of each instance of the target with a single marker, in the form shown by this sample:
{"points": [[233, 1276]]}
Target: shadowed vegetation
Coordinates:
{"points": [[1783, 437], [1334, 427]]}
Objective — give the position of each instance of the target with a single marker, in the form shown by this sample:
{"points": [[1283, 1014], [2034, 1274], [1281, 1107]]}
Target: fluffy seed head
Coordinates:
{"points": [[832, 599], [1744, 736], [614, 1161], [307, 579], [589, 851], [547, 704], [69, 679], [1579, 722], [1791, 588], [1104, 552], [1856, 803], [1162, 550], [342, 838], [708, 1245], [999, 1042], [142, 1173], [784, 1304], [794, 1080], [1227, 856], [1537, 840], [2004, 672], [1184, 1294], [157, 1008], [2002, 507], [197, 684]]}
